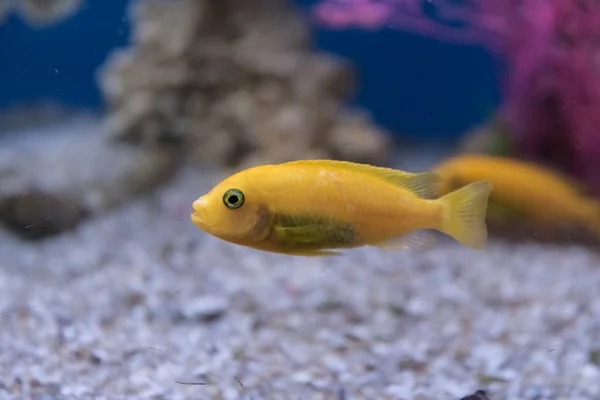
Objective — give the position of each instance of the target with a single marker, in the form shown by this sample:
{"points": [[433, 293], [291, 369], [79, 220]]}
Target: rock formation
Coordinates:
{"points": [[40, 13], [52, 179], [234, 82]]}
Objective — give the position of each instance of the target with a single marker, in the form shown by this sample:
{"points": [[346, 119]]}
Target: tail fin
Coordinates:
{"points": [[465, 212]]}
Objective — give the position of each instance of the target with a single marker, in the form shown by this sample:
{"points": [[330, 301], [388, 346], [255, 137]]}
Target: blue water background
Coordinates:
{"points": [[414, 86]]}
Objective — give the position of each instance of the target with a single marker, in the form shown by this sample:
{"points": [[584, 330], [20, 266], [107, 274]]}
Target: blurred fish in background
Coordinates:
{"points": [[529, 198]]}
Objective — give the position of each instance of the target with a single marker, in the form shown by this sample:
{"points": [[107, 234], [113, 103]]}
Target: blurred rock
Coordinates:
{"points": [[35, 215], [154, 32], [479, 140], [42, 13], [236, 81], [492, 137], [205, 309], [50, 180], [4, 9], [323, 76], [355, 139], [30, 115], [275, 157], [478, 395]]}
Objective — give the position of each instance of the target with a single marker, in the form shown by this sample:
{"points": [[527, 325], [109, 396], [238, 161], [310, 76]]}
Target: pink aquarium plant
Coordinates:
{"points": [[552, 88]]}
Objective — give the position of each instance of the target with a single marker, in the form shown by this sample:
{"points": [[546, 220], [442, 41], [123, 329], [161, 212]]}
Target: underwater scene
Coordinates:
{"points": [[300, 199]]}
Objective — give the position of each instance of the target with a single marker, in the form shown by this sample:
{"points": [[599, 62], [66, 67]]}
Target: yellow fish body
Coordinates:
{"points": [[527, 190], [311, 207]]}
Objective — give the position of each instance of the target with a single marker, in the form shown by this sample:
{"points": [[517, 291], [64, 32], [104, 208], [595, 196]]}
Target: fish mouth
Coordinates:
{"points": [[200, 212], [196, 218]]}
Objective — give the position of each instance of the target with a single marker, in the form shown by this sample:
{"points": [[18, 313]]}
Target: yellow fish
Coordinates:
{"points": [[523, 190], [311, 207]]}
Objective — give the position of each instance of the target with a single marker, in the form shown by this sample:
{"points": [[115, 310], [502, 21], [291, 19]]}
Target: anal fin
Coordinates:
{"points": [[418, 240], [315, 253]]}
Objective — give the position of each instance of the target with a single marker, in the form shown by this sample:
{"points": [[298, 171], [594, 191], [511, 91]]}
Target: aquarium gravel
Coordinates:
{"points": [[141, 304]]}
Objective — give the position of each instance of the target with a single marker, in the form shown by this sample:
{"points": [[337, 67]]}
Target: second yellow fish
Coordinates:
{"points": [[313, 207], [524, 192]]}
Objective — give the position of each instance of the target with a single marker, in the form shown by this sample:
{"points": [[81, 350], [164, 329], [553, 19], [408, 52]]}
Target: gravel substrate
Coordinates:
{"points": [[137, 303]]}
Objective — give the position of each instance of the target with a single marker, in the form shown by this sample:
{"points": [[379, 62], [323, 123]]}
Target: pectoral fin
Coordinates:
{"points": [[261, 224], [308, 233]]}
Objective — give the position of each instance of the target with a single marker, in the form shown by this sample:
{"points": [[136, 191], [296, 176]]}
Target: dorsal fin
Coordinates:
{"points": [[422, 184]]}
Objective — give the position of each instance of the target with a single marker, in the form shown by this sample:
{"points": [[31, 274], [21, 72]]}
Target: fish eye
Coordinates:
{"points": [[233, 198]]}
